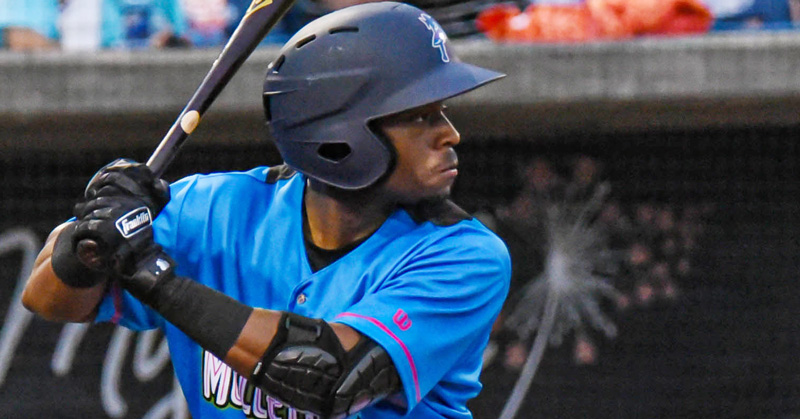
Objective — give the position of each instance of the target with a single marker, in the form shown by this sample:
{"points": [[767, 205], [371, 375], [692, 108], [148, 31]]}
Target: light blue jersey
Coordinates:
{"points": [[427, 293]]}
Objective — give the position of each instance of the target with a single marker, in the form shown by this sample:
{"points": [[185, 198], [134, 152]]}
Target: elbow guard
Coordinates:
{"points": [[306, 367]]}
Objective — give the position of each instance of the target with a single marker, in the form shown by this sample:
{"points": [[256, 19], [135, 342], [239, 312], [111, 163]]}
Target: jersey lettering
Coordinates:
{"points": [[225, 388], [401, 320], [216, 380]]}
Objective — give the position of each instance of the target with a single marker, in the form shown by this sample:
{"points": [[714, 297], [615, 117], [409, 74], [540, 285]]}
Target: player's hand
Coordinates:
{"points": [[121, 201], [119, 224], [127, 177]]}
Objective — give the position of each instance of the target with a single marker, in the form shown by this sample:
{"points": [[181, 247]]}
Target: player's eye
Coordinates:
{"points": [[431, 118], [417, 118]]}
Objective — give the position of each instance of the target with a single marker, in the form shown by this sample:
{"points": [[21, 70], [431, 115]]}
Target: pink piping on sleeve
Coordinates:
{"points": [[116, 294], [383, 327]]}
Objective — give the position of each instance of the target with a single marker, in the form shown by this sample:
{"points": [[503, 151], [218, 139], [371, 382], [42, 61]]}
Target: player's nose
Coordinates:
{"points": [[446, 134]]}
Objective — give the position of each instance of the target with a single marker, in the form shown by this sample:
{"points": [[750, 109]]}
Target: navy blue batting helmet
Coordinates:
{"points": [[348, 68]]}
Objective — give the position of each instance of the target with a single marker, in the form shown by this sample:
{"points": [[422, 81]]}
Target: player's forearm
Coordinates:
{"points": [[49, 297], [234, 332], [253, 340], [257, 334], [301, 360]]}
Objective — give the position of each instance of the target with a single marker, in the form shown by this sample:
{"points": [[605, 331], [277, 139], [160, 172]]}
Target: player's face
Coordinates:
{"points": [[426, 165]]}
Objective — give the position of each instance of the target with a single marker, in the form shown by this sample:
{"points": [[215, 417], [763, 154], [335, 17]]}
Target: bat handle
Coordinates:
{"points": [[92, 252]]}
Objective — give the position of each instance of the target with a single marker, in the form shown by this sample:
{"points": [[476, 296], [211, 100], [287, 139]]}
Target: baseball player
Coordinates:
{"points": [[342, 284]]}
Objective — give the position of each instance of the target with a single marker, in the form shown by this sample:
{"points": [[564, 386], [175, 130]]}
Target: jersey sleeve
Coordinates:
{"points": [[437, 309], [118, 306]]}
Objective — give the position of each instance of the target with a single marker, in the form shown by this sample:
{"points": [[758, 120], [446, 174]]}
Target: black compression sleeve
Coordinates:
{"points": [[210, 318]]}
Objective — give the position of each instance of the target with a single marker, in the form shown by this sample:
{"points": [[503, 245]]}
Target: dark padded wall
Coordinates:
{"points": [[727, 347]]}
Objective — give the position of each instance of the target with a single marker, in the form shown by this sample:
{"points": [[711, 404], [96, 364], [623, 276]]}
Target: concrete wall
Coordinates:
{"points": [[710, 81]]}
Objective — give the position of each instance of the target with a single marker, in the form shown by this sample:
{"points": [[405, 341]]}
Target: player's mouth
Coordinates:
{"points": [[449, 169]]}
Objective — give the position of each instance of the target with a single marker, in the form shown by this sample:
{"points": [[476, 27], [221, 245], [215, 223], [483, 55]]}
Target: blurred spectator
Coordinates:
{"points": [[209, 20], [91, 24], [751, 14], [28, 25], [148, 23]]}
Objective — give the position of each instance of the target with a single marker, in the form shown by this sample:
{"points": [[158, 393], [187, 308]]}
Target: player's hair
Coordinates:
{"points": [[348, 68]]}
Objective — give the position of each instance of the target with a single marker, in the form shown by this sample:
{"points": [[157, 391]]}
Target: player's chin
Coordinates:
{"points": [[432, 187], [439, 191]]}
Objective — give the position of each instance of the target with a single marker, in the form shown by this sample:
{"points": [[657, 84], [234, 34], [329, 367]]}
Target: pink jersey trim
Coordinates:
{"points": [[116, 294], [383, 327]]}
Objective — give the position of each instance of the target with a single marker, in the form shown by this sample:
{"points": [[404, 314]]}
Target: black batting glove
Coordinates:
{"points": [[121, 226], [66, 265], [124, 177], [120, 203]]}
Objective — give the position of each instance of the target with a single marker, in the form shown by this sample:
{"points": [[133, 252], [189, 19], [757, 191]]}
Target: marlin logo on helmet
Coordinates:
{"points": [[439, 37]]}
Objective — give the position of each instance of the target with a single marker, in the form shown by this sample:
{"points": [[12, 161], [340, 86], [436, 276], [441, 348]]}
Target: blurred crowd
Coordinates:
{"points": [[642, 253], [89, 25], [589, 20]]}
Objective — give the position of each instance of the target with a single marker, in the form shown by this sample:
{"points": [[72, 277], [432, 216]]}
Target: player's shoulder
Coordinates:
{"points": [[442, 213], [255, 177], [447, 224]]}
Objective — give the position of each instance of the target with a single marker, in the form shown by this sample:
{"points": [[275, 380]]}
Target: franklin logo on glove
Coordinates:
{"points": [[134, 221]]}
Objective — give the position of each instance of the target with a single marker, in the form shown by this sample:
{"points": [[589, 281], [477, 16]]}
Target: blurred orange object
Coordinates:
{"points": [[642, 17], [595, 19], [539, 22], [564, 23]]}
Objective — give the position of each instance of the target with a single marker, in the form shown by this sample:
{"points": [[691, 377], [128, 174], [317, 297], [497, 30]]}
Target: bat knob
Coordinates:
{"points": [[89, 253]]}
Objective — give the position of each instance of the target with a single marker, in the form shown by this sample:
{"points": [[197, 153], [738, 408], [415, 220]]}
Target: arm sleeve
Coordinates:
{"points": [[438, 306], [118, 306]]}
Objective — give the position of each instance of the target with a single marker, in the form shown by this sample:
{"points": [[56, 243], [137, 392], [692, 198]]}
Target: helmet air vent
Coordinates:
{"points": [[304, 41], [343, 29], [276, 65], [334, 152]]}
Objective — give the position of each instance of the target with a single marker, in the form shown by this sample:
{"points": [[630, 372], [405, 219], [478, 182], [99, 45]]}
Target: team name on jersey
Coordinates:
{"points": [[225, 388], [134, 221]]}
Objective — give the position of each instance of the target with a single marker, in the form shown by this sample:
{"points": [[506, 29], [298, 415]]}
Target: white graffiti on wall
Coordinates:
{"points": [[151, 355]]}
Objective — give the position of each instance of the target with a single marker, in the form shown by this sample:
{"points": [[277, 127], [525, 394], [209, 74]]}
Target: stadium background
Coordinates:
{"points": [[710, 120]]}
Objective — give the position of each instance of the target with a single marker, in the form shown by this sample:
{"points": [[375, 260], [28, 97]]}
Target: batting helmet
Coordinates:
{"points": [[348, 68]]}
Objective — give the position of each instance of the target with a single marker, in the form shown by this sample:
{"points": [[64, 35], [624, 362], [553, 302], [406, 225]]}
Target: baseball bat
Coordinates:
{"points": [[258, 20]]}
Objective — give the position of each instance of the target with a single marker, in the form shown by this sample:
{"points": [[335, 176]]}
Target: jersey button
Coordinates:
{"points": [[301, 299]]}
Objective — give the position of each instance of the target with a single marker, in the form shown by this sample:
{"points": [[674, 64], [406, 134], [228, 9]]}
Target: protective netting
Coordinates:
{"points": [[723, 346]]}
